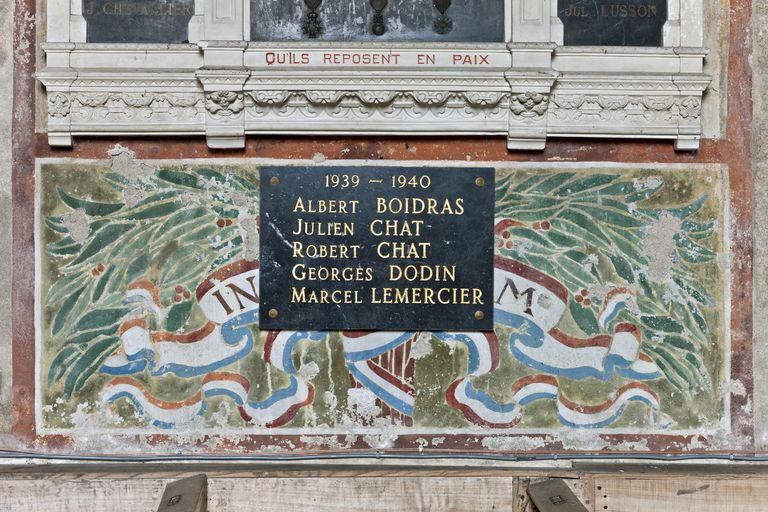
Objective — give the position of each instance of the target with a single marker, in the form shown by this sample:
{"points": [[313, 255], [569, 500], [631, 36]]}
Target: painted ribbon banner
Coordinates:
{"points": [[526, 299], [607, 314], [224, 340]]}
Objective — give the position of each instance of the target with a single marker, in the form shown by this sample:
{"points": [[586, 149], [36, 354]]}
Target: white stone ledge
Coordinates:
{"points": [[227, 90]]}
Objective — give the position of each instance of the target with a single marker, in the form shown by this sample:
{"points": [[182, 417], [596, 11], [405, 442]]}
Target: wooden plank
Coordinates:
{"points": [[264, 470], [692, 494], [663, 470], [366, 494], [80, 496], [371, 494]]}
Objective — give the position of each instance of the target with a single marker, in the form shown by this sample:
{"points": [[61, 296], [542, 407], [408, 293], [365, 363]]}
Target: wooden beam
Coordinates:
{"points": [[371, 494], [681, 494]]}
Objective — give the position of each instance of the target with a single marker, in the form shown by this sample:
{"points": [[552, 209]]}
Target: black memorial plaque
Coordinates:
{"points": [[613, 22], [376, 20], [137, 21], [376, 248]]}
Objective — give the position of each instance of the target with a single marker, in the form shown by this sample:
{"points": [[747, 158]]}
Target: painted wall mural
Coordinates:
{"points": [[609, 288]]}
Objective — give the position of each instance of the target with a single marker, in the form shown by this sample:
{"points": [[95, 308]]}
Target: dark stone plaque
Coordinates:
{"points": [[137, 21], [376, 248], [613, 22], [367, 20]]}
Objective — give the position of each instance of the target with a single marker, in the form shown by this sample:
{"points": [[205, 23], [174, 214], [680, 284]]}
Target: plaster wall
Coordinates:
{"points": [[760, 173], [728, 154], [714, 103], [6, 91]]}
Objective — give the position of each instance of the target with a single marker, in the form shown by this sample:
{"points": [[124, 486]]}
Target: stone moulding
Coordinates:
{"points": [[226, 90]]}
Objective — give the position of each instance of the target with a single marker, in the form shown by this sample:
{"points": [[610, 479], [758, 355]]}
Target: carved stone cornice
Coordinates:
{"points": [[376, 111], [528, 107], [378, 99], [655, 105], [225, 103]]}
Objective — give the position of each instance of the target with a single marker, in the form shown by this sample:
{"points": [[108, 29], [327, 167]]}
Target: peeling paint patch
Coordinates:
{"points": [[640, 445], [327, 442], [582, 440], [123, 161], [422, 347], [381, 441], [250, 233], [309, 371], [515, 443], [23, 43], [362, 402], [76, 223], [737, 388], [659, 246]]}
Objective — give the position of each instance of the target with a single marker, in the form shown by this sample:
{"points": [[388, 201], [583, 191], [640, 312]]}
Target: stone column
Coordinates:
{"points": [[57, 79], [672, 26], [225, 20], [223, 77], [57, 20], [531, 77]]}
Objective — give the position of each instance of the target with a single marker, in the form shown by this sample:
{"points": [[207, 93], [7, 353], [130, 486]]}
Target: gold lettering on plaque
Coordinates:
{"points": [[324, 232], [142, 8], [613, 11], [430, 296], [628, 11]]}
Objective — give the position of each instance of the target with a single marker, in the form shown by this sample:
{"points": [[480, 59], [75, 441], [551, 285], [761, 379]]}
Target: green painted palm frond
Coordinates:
{"points": [[170, 227], [589, 231]]}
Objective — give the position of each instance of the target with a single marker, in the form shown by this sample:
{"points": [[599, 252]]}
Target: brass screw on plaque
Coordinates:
{"points": [[275, 180], [272, 313], [479, 315], [480, 182]]}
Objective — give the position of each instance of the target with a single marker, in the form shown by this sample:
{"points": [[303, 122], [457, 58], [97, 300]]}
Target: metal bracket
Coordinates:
{"points": [[186, 495], [555, 496]]}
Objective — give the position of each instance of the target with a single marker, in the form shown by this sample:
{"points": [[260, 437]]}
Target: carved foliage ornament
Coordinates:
{"points": [[379, 98], [649, 108], [690, 108], [59, 105], [386, 105], [124, 107], [224, 103], [529, 105]]}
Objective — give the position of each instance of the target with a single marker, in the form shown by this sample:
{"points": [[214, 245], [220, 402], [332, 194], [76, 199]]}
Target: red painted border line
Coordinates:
{"points": [[23, 190]]}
